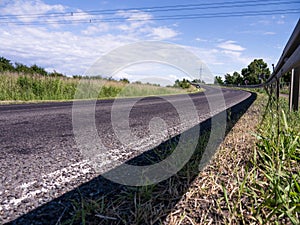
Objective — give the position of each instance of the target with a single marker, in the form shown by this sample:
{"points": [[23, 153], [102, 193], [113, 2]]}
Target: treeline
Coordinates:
{"points": [[7, 66], [186, 84], [21, 82], [255, 73]]}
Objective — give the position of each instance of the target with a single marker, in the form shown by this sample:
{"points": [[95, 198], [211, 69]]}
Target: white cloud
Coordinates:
{"points": [[29, 7], [269, 33], [281, 20], [201, 40], [134, 15], [138, 22], [152, 72], [21, 7], [231, 53], [220, 61], [263, 22], [67, 52], [135, 19], [72, 51], [80, 14], [96, 28], [231, 45], [162, 33], [236, 57]]}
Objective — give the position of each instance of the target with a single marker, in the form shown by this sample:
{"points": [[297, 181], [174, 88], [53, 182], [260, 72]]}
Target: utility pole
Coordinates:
{"points": [[200, 73]]}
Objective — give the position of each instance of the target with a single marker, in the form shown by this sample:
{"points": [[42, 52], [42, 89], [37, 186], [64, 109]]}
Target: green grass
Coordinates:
{"points": [[285, 91], [269, 184], [33, 87], [18, 87], [285, 88], [277, 158]]}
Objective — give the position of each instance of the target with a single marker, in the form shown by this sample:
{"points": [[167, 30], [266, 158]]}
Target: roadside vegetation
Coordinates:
{"points": [[36, 87], [274, 180], [256, 72], [285, 88], [265, 185], [19, 82]]}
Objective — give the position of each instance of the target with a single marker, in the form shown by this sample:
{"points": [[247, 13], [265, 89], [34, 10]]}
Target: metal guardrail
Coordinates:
{"points": [[289, 61]]}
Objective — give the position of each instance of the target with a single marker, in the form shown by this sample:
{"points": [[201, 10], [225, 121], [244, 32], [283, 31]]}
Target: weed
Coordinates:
{"points": [[268, 192], [22, 87]]}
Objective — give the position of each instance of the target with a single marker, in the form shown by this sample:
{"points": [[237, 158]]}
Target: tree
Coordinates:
{"points": [[235, 78], [229, 79], [21, 68], [198, 81], [55, 74], [38, 70], [6, 65], [218, 80], [125, 80], [182, 84], [287, 77], [77, 76], [256, 72]]}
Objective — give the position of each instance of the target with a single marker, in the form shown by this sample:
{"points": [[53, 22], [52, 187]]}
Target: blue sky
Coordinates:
{"points": [[225, 44]]}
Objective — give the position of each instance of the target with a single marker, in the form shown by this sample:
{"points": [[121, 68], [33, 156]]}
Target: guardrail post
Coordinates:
{"points": [[277, 88], [294, 89]]}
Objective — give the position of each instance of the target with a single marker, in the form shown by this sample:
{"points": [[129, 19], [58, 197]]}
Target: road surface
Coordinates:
{"points": [[40, 159]]}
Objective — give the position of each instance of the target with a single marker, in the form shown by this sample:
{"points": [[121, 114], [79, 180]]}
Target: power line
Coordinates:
{"points": [[168, 17], [73, 19], [158, 8], [224, 15], [237, 4], [199, 7], [136, 8]]}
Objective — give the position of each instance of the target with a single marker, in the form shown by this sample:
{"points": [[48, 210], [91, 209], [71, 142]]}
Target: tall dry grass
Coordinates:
{"points": [[14, 86]]}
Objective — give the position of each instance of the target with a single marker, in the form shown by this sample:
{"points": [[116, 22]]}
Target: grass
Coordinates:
{"points": [[285, 88], [19, 87], [32, 87], [261, 182], [277, 163], [269, 190], [285, 91]]}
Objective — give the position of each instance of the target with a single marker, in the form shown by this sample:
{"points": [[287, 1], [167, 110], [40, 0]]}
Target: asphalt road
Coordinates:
{"points": [[40, 159]]}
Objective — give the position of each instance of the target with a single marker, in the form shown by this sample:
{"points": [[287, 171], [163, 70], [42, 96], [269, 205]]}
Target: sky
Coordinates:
{"points": [[71, 36]]}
